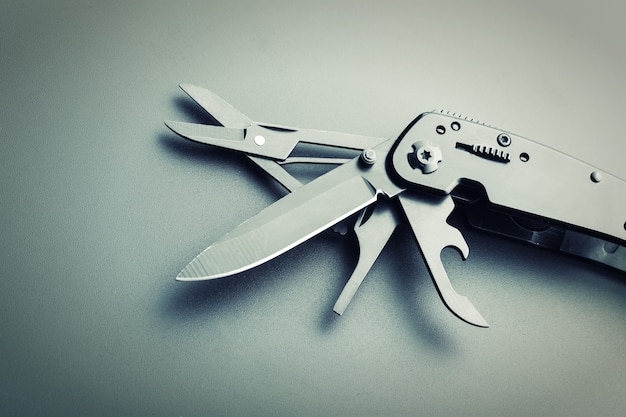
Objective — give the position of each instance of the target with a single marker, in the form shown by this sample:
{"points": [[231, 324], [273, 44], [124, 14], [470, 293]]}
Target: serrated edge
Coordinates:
{"points": [[460, 116]]}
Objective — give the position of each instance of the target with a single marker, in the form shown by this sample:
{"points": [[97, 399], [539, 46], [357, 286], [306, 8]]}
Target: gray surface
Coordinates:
{"points": [[102, 206]]}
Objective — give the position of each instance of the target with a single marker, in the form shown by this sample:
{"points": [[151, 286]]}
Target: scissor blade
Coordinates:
{"points": [[256, 140], [223, 112], [285, 224], [208, 134]]}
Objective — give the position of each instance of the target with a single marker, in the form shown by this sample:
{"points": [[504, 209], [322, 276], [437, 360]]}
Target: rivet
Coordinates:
{"points": [[504, 139], [259, 140], [596, 176]]}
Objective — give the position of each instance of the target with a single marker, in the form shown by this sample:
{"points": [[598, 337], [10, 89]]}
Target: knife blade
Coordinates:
{"points": [[285, 224]]}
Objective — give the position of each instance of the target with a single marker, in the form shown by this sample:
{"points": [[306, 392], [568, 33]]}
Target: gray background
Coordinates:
{"points": [[101, 206]]}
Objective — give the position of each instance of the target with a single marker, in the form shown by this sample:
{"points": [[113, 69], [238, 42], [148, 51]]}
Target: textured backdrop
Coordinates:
{"points": [[101, 206]]}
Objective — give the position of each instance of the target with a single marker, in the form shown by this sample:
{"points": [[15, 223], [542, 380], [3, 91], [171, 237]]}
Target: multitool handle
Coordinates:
{"points": [[439, 151]]}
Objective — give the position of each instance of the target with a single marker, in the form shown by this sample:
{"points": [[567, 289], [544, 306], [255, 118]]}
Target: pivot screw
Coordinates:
{"points": [[368, 157], [425, 156], [504, 140]]}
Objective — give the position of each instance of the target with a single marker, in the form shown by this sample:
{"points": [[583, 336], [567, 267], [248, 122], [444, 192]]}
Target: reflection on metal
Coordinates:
{"points": [[547, 200]]}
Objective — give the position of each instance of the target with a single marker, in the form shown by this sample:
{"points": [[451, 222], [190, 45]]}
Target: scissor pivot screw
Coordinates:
{"points": [[425, 156], [368, 157]]}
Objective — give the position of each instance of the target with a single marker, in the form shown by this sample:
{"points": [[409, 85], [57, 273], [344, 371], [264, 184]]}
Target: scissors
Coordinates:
{"points": [[441, 162]]}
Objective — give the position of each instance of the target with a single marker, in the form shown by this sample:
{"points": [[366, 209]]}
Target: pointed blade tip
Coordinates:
{"points": [[187, 278], [186, 87], [187, 275], [170, 124], [183, 277]]}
